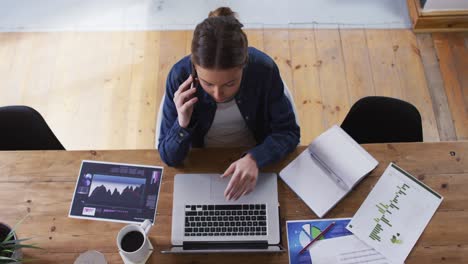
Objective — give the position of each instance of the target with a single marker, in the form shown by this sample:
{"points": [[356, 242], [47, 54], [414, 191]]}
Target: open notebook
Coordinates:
{"points": [[328, 169]]}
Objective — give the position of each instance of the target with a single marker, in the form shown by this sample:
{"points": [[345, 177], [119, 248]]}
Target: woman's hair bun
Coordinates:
{"points": [[222, 11]]}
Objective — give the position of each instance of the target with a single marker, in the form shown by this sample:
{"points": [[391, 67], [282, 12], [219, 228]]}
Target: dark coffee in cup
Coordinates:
{"points": [[132, 241]]}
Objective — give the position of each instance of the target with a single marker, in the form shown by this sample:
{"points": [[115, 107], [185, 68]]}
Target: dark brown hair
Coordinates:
{"points": [[219, 42]]}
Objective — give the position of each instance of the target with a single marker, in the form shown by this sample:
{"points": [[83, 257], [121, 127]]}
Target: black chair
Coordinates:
{"points": [[378, 119], [23, 128]]}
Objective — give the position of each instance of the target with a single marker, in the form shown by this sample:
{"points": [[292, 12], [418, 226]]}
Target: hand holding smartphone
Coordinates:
{"points": [[185, 99]]}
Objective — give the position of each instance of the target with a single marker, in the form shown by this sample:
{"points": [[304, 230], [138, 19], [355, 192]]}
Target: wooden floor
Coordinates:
{"points": [[452, 51], [101, 90]]}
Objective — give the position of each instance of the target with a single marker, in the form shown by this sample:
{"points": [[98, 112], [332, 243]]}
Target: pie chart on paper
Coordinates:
{"points": [[308, 233], [301, 232]]}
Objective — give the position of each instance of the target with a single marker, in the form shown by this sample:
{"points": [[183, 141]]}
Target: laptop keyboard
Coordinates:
{"points": [[226, 220]]}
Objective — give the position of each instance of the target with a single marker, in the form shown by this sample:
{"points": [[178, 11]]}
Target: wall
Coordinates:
{"points": [[445, 5]]}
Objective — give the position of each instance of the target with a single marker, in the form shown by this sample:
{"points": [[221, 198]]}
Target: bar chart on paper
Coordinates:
{"points": [[395, 213], [386, 209]]}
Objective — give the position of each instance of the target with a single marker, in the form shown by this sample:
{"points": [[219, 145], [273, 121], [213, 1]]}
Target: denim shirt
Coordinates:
{"points": [[261, 100]]}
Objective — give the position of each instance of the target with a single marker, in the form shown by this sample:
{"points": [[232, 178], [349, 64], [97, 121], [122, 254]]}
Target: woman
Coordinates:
{"points": [[227, 94]]}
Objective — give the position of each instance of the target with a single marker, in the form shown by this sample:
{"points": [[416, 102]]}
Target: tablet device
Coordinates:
{"points": [[116, 192]]}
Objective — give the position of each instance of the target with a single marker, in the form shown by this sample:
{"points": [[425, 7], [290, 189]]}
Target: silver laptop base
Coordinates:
{"points": [[181, 250]]}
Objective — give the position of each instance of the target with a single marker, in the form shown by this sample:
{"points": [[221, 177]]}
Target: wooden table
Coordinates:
{"points": [[41, 183]]}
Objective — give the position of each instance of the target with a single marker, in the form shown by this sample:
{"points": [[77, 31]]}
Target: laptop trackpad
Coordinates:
{"points": [[218, 185]]}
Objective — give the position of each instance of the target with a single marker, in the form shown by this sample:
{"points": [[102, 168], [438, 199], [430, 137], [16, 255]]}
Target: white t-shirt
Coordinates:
{"points": [[229, 128]]}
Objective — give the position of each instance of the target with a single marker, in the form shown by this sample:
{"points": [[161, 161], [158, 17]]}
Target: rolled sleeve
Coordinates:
{"points": [[174, 140]]}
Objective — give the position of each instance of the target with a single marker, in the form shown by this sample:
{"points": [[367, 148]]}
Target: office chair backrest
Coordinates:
{"points": [[378, 119], [288, 95], [23, 128]]}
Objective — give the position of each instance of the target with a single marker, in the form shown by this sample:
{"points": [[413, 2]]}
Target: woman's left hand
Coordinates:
{"points": [[244, 177]]}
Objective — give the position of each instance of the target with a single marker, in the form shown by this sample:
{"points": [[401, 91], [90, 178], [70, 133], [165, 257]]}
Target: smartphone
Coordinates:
{"points": [[195, 77]]}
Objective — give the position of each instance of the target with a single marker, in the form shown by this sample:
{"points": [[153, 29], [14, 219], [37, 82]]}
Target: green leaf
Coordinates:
{"points": [[12, 231], [18, 246], [15, 241], [6, 258]]}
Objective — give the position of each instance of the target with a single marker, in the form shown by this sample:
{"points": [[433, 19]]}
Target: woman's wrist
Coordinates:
{"points": [[251, 157]]}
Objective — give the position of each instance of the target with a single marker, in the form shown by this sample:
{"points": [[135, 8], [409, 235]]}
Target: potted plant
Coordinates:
{"points": [[10, 245]]}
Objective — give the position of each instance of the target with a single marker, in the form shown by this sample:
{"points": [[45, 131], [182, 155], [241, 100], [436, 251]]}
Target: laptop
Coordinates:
{"points": [[204, 222]]}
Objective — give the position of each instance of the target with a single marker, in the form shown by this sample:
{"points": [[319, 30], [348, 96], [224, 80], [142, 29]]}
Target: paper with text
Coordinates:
{"points": [[345, 250]]}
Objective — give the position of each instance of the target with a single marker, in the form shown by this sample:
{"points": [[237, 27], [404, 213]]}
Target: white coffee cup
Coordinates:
{"points": [[135, 247]]}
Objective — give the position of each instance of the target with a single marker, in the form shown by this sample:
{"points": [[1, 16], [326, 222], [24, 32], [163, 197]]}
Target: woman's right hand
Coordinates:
{"points": [[184, 99]]}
